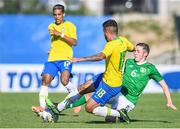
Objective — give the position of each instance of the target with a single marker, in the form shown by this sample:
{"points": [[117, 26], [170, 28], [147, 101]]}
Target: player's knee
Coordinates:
{"points": [[64, 81], [88, 108], [45, 81], [81, 88]]}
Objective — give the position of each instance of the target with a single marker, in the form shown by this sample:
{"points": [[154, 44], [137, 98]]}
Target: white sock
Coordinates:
{"points": [[70, 88], [72, 96], [42, 94], [62, 105], [105, 111]]}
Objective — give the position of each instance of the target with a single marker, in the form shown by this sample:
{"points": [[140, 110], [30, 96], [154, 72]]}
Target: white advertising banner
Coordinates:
{"points": [[27, 77]]}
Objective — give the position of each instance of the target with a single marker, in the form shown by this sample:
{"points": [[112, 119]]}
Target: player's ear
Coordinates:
{"points": [[63, 14], [145, 54]]}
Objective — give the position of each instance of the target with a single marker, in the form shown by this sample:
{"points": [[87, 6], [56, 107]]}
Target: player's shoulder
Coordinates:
{"points": [[51, 25], [110, 43], [149, 64], [123, 38], [130, 60], [69, 23]]}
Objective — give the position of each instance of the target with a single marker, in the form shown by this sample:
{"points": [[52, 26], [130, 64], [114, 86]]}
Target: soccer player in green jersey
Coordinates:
{"points": [[136, 75]]}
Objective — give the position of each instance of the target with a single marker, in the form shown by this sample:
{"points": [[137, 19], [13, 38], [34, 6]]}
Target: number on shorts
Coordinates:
{"points": [[67, 63], [101, 92]]}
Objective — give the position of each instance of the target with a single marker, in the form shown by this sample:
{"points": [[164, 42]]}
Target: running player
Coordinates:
{"points": [[63, 37]]}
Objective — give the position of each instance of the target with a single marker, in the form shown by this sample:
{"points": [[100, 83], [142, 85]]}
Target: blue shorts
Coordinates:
{"points": [[52, 68], [103, 91]]}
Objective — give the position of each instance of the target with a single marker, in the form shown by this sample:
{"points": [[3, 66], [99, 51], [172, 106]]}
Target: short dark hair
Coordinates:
{"points": [[145, 46], [111, 23], [58, 6]]}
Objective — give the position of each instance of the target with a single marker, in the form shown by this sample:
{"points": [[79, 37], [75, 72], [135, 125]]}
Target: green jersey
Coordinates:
{"points": [[136, 77]]}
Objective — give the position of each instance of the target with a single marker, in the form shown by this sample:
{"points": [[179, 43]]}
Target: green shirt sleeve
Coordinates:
{"points": [[155, 75]]}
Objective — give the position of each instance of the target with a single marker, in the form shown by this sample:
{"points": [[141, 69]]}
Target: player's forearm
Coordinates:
{"points": [[70, 41], [97, 57], [166, 91]]}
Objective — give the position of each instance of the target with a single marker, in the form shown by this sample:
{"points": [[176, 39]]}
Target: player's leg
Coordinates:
{"points": [[93, 107], [65, 67], [46, 80], [87, 87], [102, 94], [113, 103], [121, 103], [70, 98], [80, 101], [124, 106], [48, 74]]}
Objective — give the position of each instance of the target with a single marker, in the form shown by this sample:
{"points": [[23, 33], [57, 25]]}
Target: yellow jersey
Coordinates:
{"points": [[115, 51], [60, 50]]}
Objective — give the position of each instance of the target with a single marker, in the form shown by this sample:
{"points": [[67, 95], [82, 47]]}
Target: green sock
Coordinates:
{"points": [[77, 103]]}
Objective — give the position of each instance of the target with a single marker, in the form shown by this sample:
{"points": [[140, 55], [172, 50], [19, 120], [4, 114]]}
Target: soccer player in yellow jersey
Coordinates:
{"points": [[110, 84], [63, 37]]}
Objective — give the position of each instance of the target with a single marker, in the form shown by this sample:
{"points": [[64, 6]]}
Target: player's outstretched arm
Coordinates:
{"points": [[165, 88], [97, 57]]}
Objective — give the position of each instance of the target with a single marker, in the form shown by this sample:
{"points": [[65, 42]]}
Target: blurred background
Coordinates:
{"points": [[24, 38]]}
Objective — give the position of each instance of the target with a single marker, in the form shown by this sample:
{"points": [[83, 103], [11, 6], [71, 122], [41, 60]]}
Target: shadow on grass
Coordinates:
{"points": [[74, 115], [132, 121], [138, 120], [99, 122]]}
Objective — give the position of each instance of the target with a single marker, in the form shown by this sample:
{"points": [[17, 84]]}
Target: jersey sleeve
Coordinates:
{"points": [[130, 46], [72, 30], [155, 75], [50, 27], [108, 49]]}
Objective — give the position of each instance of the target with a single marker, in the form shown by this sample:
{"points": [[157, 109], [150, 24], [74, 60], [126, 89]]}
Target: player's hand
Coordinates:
{"points": [[55, 32], [171, 106]]}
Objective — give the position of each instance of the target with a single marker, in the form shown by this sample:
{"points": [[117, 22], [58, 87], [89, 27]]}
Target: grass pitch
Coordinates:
{"points": [[150, 112]]}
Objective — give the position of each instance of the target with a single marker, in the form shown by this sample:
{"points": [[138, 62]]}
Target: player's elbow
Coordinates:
{"points": [[101, 56], [74, 42]]}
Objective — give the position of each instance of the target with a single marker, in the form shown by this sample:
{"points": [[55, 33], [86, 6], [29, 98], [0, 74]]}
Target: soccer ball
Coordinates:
{"points": [[49, 117]]}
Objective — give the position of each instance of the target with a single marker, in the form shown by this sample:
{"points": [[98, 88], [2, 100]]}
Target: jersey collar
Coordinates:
{"points": [[142, 63]]}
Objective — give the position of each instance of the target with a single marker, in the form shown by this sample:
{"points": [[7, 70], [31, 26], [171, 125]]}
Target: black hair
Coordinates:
{"points": [[111, 23], [58, 6], [145, 46]]}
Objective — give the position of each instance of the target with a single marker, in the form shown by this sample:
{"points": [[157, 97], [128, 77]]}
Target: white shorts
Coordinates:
{"points": [[119, 102]]}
